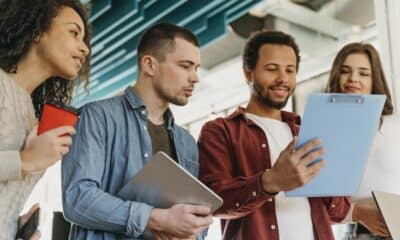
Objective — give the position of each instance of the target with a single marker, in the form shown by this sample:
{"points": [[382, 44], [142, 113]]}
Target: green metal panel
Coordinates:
{"points": [[118, 24]]}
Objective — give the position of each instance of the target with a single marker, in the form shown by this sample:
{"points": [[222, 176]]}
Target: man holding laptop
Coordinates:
{"points": [[118, 136], [250, 158]]}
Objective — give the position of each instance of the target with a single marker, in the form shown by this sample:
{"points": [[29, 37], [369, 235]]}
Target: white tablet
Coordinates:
{"points": [[163, 183]]}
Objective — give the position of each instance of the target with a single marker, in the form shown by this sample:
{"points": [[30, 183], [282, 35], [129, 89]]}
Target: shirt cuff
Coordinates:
{"points": [[138, 218], [11, 166]]}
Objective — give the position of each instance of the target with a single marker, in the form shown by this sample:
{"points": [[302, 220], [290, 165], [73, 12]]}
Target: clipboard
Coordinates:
{"points": [[388, 205], [163, 183], [347, 124]]}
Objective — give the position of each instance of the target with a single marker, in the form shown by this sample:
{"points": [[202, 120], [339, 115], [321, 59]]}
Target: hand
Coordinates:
{"points": [[367, 213], [166, 236], [180, 221], [36, 236], [291, 170], [42, 151], [161, 236], [24, 219]]}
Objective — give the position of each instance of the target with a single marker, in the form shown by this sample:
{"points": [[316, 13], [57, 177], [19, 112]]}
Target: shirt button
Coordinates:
{"points": [[237, 205], [254, 194], [143, 112], [333, 205], [144, 127], [263, 145], [146, 155], [272, 227], [269, 200]]}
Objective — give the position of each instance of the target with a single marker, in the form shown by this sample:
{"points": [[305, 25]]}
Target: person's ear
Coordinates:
{"points": [[36, 39], [149, 65], [248, 74]]}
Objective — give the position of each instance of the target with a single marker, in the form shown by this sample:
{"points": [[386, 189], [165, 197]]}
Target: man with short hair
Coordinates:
{"points": [[249, 158], [118, 136]]}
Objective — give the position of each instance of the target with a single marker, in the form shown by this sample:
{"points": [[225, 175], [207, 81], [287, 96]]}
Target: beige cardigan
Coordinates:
{"points": [[17, 118]]}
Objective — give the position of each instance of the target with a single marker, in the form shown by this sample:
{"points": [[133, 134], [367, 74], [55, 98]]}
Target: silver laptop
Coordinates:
{"points": [[163, 183], [389, 206]]}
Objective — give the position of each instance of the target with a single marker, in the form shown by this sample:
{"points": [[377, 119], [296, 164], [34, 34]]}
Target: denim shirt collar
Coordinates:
{"points": [[137, 104]]}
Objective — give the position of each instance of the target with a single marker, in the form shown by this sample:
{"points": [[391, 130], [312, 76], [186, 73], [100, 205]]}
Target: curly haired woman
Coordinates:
{"points": [[43, 47]]}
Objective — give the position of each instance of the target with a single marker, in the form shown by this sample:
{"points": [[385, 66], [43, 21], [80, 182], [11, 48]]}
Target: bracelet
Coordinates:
{"points": [[269, 193]]}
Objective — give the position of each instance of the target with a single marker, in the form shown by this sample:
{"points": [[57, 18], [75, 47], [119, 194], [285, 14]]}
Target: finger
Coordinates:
{"points": [[205, 221], [383, 231], [62, 131], [163, 236], [380, 232], [310, 157], [201, 222], [315, 168], [312, 174], [367, 227], [36, 235], [65, 140], [33, 208], [307, 147], [28, 215], [193, 237], [156, 235], [291, 147], [198, 210], [63, 150]]}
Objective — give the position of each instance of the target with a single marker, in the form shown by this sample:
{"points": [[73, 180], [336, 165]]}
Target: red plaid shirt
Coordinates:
{"points": [[234, 153]]}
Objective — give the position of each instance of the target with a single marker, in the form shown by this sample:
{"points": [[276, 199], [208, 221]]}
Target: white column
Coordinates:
{"points": [[387, 13]]}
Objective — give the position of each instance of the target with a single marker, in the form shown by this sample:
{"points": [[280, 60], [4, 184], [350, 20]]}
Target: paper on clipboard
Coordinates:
{"points": [[347, 124]]}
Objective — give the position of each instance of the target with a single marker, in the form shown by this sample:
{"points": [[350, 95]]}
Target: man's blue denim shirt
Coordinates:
{"points": [[111, 145]]}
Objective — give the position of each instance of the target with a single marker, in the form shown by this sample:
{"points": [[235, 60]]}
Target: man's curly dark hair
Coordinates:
{"points": [[21, 22]]}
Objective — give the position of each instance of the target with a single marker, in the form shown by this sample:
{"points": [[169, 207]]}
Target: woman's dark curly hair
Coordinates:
{"points": [[21, 22]]}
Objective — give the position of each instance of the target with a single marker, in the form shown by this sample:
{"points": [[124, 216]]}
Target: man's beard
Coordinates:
{"points": [[258, 92]]}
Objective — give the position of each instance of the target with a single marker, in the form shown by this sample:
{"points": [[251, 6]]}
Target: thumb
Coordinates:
{"points": [[36, 235], [291, 147], [24, 218], [33, 132], [33, 208]]}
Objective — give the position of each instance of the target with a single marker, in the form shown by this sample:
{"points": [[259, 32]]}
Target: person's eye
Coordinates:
{"points": [[364, 74], [344, 70], [187, 67], [74, 33], [290, 71]]}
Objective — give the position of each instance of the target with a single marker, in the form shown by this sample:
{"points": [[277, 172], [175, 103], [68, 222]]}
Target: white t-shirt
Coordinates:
{"points": [[293, 214], [383, 168]]}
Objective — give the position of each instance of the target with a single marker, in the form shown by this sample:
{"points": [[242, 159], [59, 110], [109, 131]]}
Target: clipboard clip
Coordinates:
{"points": [[346, 98]]}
